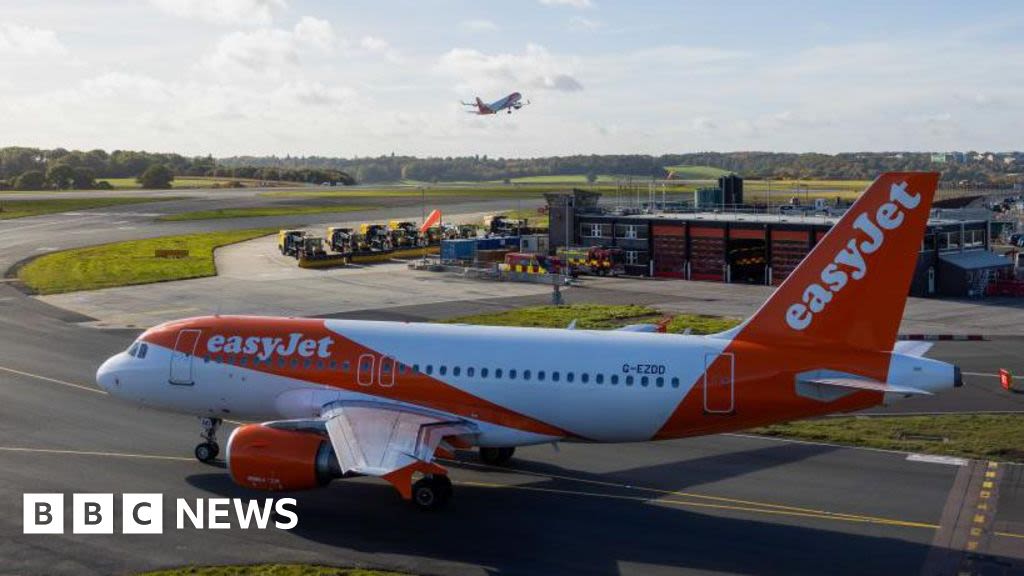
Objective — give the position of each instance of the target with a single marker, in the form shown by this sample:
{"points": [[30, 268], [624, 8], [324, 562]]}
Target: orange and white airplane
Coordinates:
{"points": [[341, 397]]}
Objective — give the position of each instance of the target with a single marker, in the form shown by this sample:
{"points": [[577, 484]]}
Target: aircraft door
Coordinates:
{"points": [[364, 370], [181, 357], [719, 393]]}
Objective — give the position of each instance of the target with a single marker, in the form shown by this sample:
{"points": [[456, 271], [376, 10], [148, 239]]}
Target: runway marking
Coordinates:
{"points": [[933, 459], [1009, 535], [93, 453], [780, 507], [54, 380], [685, 503]]}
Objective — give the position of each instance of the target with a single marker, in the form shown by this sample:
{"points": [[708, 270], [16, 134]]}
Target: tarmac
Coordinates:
{"points": [[733, 504]]}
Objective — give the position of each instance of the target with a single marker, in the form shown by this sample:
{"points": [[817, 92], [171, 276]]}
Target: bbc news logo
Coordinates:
{"points": [[144, 513]]}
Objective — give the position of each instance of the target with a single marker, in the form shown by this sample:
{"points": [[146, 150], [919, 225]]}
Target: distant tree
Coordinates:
{"points": [[60, 176], [31, 180], [84, 178], [103, 185], [591, 177], [156, 176]]}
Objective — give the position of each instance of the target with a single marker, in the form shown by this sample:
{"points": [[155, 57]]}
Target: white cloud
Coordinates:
{"points": [[534, 68], [18, 40], [379, 46], [479, 25], [236, 12], [270, 51], [573, 3]]}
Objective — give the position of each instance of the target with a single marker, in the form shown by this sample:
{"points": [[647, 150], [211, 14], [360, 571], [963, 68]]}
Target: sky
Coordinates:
{"points": [[364, 78]]}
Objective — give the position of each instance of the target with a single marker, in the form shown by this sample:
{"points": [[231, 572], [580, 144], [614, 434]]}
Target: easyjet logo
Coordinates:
{"points": [[851, 261], [263, 347]]}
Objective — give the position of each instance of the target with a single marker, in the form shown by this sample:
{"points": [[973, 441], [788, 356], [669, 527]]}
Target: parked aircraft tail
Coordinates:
{"points": [[852, 287]]}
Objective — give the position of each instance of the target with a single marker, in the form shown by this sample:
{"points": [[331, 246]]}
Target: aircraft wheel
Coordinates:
{"points": [[207, 452], [431, 492], [496, 456]]}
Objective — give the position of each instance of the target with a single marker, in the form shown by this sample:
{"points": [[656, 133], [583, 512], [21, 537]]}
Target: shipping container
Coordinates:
{"points": [[462, 249]]}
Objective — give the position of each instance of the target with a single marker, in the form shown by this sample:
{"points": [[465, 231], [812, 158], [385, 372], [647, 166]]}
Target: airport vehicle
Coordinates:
{"points": [[339, 398], [340, 239], [594, 260], [513, 101], [501, 225], [373, 237], [288, 241], [404, 234]]}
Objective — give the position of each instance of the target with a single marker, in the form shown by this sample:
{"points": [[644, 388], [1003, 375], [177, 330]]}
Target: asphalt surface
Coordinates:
{"points": [[722, 504]]}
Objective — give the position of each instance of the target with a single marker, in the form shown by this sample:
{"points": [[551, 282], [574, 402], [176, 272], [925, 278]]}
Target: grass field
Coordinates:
{"points": [[127, 263], [22, 208], [269, 570], [985, 436], [596, 317], [180, 182], [533, 218], [481, 191], [696, 172], [579, 179], [256, 212]]}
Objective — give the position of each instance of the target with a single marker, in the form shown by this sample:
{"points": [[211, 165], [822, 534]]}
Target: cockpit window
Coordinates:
{"points": [[141, 354], [133, 350]]}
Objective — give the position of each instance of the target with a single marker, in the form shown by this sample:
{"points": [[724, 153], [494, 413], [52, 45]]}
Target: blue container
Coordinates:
{"points": [[460, 249], [497, 243]]}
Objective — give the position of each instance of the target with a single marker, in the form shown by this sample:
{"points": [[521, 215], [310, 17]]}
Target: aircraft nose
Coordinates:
{"points": [[107, 375]]}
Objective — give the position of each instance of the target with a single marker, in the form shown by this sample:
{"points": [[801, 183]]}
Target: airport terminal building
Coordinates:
{"points": [[759, 248]]}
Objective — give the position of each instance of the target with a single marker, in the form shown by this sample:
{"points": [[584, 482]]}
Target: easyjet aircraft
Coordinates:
{"points": [[341, 397]]}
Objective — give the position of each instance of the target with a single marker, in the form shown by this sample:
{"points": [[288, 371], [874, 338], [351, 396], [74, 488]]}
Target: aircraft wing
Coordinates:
{"points": [[638, 328], [378, 439], [853, 384], [912, 347]]}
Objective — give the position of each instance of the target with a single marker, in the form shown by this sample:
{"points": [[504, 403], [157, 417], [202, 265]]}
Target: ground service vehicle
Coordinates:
{"points": [[342, 240], [339, 398], [374, 237], [288, 241]]}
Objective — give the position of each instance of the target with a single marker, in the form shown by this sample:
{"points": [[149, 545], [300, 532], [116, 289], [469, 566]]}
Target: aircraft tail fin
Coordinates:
{"points": [[852, 287], [481, 106]]}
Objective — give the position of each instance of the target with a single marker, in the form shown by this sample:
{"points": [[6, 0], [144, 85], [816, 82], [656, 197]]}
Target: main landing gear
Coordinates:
{"points": [[208, 450], [496, 456], [431, 492]]}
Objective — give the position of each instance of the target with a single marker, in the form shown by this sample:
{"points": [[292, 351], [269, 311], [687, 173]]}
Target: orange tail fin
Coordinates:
{"points": [[852, 287]]}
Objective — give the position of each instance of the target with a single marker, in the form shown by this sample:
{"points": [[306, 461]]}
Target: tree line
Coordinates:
{"points": [[36, 169], [972, 167], [23, 168]]}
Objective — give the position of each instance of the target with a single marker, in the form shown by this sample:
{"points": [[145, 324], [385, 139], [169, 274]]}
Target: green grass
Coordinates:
{"points": [[485, 190], [127, 263], [269, 570], [596, 317], [984, 436], [22, 208], [684, 172], [256, 212], [568, 179]]}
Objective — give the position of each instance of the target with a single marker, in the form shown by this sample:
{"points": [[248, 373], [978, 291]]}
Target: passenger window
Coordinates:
{"points": [[599, 378], [512, 374], [540, 375], [280, 362], [554, 376], [334, 365], [143, 348], [295, 362], [385, 367], [319, 364], [526, 374], [470, 371], [245, 360], [615, 379], [430, 369], [456, 370], [442, 370], [307, 363], [675, 382], [346, 366], [497, 372], [629, 380], [401, 368], [483, 372], [569, 377], [659, 382], [206, 359], [584, 377], [644, 381], [415, 368]]}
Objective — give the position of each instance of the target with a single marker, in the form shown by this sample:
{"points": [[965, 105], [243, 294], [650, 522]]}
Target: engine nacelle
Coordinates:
{"points": [[265, 458]]}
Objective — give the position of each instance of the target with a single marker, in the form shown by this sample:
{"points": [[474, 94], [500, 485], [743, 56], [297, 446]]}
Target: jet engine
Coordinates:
{"points": [[262, 457]]}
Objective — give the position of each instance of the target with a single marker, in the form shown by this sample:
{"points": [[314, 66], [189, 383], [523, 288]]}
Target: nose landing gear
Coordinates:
{"points": [[208, 450]]}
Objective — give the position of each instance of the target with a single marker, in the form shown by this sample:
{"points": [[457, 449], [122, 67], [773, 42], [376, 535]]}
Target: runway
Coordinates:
{"points": [[722, 504]]}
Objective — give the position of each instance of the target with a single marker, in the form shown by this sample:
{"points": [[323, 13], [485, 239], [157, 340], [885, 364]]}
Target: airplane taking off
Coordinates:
{"points": [[513, 101], [341, 398]]}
